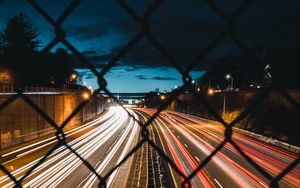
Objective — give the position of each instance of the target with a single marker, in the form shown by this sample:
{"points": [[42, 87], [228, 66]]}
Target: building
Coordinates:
{"points": [[6, 79]]}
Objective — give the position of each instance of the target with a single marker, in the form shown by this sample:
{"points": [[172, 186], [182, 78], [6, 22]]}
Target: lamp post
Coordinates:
{"points": [[86, 95], [229, 77], [224, 103], [210, 91], [162, 97]]}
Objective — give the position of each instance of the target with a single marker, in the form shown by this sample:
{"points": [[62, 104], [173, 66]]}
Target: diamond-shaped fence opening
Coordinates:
{"points": [[148, 145]]}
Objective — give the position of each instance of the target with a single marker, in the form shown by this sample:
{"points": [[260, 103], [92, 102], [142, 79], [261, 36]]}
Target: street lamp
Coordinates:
{"points": [[162, 97], [86, 95], [224, 104], [73, 76], [210, 91], [71, 79], [229, 77]]}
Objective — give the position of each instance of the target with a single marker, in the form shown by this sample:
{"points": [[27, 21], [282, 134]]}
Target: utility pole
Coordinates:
{"points": [[224, 103]]}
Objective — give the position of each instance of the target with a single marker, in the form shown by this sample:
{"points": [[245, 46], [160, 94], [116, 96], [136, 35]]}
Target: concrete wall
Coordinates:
{"points": [[19, 123]]}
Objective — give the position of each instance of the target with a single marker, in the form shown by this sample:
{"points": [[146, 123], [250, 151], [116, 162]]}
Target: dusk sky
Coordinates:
{"points": [[99, 29]]}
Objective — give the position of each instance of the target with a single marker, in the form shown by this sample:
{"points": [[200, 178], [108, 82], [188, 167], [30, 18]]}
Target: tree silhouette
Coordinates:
{"points": [[20, 33], [250, 67], [19, 51], [60, 68]]}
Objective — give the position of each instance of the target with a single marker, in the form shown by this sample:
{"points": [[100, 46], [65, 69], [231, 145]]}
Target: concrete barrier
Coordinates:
{"points": [[19, 123]]}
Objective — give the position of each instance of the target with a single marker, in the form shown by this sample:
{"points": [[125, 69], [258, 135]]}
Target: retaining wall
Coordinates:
{"points": [[19, 123]]}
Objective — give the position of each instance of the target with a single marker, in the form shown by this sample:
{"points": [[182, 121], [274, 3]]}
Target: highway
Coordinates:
{"points": [[188, 140], [103, 143]]}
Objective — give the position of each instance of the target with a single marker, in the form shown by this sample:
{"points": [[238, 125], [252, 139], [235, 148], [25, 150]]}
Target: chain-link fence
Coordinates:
{"points": [[144, 32]]}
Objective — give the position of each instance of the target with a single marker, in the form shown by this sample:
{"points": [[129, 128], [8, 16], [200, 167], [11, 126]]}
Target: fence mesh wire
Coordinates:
{"points": [[144, 32]]}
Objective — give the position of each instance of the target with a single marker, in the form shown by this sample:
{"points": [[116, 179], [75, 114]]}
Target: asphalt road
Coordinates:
{"points": [[104, 142], [185, 139], [188, 140]]}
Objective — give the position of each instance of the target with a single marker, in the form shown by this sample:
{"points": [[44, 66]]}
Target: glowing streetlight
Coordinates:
{"points": [[210, 91], [229, 77], [86, 95], [73, 76], [162, 97]]}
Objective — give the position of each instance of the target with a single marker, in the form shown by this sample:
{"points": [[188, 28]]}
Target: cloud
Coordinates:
{"points": [[163, 78], [182, 32], [90, 77], [87, 74], [132, 67], [141, 77], [89, 52], [86, 31]]}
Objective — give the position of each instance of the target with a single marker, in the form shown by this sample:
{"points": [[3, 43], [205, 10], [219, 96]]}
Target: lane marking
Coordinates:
{"points": [[197, 159], [263, 184], [218, 183], [185, 145]]}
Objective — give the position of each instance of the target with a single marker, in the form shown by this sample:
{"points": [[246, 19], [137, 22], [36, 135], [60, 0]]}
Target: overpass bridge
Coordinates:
{"points": [[127, 96]]}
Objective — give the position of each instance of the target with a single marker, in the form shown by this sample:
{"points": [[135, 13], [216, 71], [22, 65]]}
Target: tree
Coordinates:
{"points": [[246, 68], [20, 33], [60, 69], [19, 51]]}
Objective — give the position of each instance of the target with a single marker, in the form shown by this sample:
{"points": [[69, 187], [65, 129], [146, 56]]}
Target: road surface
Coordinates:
{"points": [[188, 140], [103, 142], [185, 139]]}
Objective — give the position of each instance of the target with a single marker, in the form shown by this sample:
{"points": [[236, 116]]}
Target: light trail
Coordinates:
{"points": [[204, 179], [26, 167], [271, 158], [62, 163], [195, 139], [112, 152], [67, 133], [186, 139], [129, 145]]}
